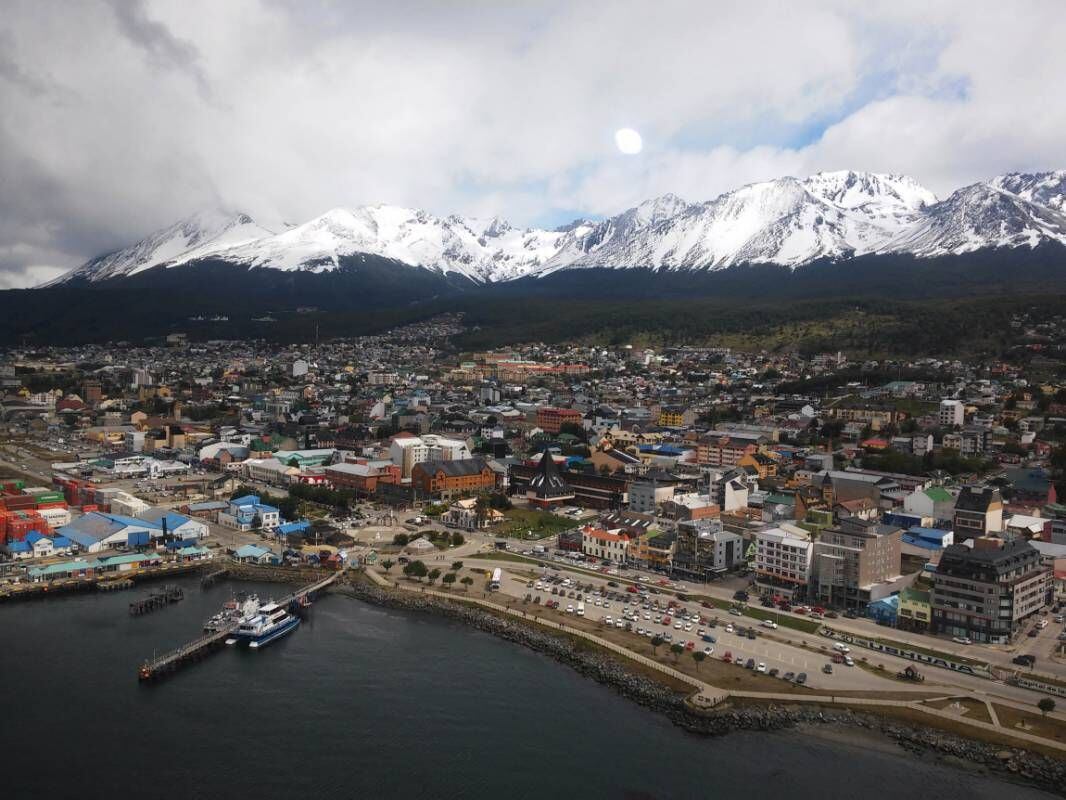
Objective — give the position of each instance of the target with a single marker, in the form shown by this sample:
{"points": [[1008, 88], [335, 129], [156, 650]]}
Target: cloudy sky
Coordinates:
{"points": [[122, 116]]}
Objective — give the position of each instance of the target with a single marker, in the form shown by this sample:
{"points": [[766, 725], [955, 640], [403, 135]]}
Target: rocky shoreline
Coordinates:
{"points": [[1011, 763]]}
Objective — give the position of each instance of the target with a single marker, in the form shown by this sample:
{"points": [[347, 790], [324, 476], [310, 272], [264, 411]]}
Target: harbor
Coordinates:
{"points": [[223, 630]]}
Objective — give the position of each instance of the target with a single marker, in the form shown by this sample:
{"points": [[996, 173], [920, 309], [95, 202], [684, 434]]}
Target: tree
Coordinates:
{"points": [[456, 566], [1046, 705], [698, 656], [481, 509], [656, 642], [387, 564], [677, 649], [400, 539], [416, 569], [466, 580], [449, 578], [457, 539], [433, 575]]}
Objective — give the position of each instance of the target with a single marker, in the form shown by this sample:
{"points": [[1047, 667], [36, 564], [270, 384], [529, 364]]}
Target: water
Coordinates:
{"points": [[364, 702]]}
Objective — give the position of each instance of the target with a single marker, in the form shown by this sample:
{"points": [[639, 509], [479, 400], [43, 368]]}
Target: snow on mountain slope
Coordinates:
{"points": [[1044, 188], [197, 236], [785, 221], [481, 250], [978, 217]]}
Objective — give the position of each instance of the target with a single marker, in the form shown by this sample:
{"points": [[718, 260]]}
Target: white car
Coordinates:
{"points": [[729, 628], [609, 619], [849, 661], [840, 647], [761, 667], [570, 609], [640, 631], [618, 623], [769, 623], [708, 650], [961, 640], [677, 626], [688, 626]]}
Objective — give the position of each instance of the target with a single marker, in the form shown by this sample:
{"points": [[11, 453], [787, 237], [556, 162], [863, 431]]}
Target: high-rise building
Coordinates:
{"points": [[855, 563], [986, 592]]}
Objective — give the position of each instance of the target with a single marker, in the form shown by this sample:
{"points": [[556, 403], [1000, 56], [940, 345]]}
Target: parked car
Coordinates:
{"points": [[827, 669], [962, 640], [801, 678], [750, 664]]}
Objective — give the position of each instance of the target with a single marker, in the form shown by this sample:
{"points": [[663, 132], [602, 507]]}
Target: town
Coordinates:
{"points": [[909, 510]]}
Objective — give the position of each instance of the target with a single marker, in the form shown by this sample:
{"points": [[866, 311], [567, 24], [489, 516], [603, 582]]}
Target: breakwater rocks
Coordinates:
{"points": [[587, 661], [1013, 763]]}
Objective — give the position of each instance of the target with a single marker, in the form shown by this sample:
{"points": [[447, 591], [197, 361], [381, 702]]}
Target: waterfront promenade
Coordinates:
{"points": [[706, 697]]}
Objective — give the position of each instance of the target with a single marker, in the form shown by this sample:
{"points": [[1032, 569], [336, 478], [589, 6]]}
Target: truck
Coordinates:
{"points": [[497, 576]]}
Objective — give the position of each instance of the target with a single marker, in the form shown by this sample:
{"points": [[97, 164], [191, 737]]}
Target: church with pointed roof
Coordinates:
{"points": [[547, 487]]}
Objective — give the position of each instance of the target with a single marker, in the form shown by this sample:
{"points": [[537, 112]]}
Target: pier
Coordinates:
{"points": [[159, 666], [157, 599]]}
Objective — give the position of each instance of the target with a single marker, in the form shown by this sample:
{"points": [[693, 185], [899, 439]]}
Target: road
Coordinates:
{"points": [[774, 648]]}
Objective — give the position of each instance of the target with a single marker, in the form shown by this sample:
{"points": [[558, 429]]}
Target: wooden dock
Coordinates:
{"points": [[193, 651], [157, 599], [199, 648]]}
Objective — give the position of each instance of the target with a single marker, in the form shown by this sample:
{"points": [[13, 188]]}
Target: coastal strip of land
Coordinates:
{"points": [[698, 707]]}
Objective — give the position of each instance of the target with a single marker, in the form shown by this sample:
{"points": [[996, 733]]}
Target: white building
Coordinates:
{"points": [[782, 557], [952, 413], [606, 546], [299, 368], [406, 451]]}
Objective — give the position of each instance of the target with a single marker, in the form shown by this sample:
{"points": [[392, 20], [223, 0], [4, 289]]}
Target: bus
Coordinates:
{"points": [[497, 576]]}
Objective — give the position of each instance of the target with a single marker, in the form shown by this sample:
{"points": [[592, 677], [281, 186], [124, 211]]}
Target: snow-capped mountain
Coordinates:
{"points": [[195, 237], [1044, 188], [979, 217], [787, 221]]}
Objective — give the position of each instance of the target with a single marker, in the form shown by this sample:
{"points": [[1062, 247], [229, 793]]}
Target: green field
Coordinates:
{"points": [[524, 523]]}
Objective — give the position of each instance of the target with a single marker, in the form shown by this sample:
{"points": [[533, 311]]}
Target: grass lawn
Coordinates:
{"points": [[1038, 725], [525, 523], [975, 709]]}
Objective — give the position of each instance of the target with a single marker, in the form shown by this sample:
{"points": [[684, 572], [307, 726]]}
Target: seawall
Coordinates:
{"points": [[1013, 763]]}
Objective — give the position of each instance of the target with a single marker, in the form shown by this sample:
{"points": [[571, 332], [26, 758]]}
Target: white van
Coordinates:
{"points": [[840, 647]]}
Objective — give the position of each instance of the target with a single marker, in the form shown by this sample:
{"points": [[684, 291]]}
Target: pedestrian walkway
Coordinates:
{"points": [[706, 697]]}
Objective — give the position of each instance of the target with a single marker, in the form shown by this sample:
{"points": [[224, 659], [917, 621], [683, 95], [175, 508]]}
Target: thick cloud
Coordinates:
{"points": [[121, 117]]}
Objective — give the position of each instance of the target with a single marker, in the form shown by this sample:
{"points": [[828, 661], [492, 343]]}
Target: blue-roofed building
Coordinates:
{"points": [[255, 554], [98, 531], [19, 550], [299, 528], [932, 539], [249, 513]]}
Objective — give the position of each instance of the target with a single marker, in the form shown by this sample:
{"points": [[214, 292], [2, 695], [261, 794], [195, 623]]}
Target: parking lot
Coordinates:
{"points": [[719, 636]]}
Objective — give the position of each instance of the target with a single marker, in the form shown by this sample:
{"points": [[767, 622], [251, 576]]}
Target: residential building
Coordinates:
{"points": [[952, 414], [703, 548], [856, 563], [551, 419], [978, 512], [782, 561], [986, 592]]}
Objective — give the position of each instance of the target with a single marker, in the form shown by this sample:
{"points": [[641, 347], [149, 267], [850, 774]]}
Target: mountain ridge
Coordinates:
{"points": [[787, 221]]}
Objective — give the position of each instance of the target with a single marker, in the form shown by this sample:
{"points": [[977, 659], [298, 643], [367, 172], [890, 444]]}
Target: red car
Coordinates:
{"points": [[631, 589], [690, 645], [727, 657], [667, 621]]}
